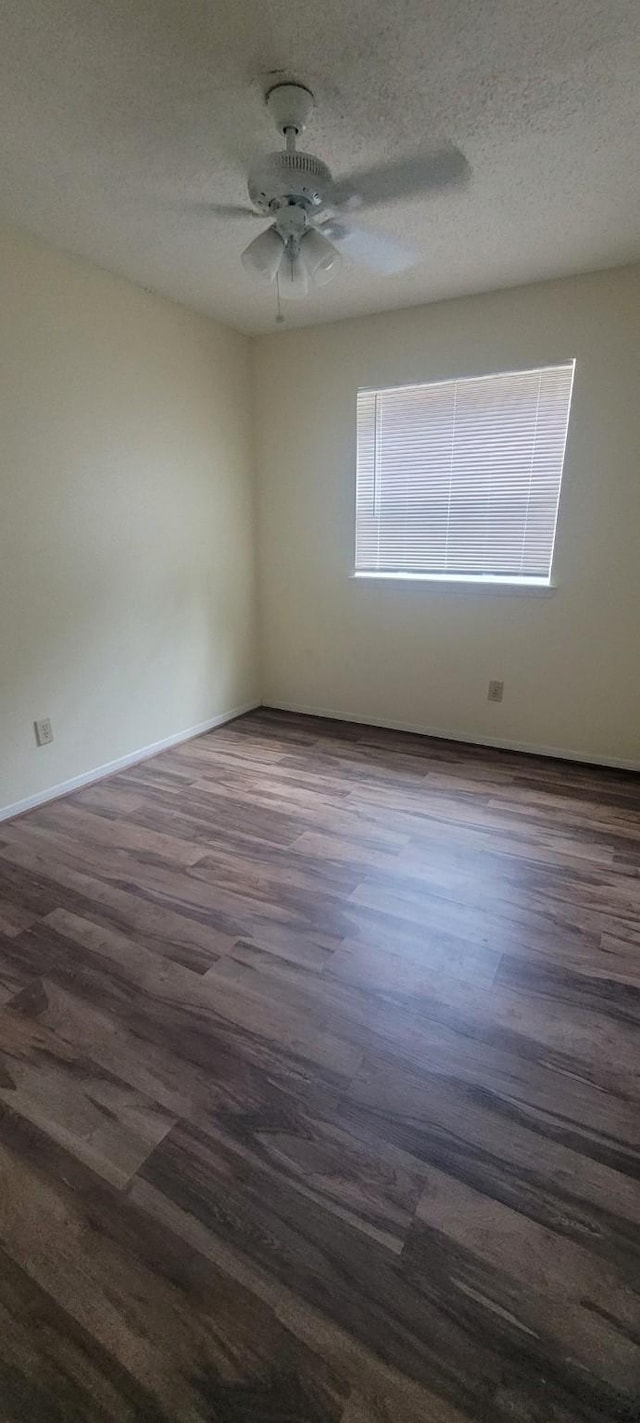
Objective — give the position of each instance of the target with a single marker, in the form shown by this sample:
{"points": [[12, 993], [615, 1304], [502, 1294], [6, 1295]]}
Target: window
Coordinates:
{"points": [[460, 480]]}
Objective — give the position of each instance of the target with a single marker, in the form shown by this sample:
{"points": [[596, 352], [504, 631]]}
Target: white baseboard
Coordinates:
{"points": [[145, 752], [110, 767], [559, 753]]}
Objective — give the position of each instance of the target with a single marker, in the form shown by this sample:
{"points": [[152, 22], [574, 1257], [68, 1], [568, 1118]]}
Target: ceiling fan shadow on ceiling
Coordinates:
{"points": [[311, 211]]}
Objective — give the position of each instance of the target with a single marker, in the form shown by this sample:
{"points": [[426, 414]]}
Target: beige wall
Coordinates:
{"points": [[126, 540], [417, 654]]}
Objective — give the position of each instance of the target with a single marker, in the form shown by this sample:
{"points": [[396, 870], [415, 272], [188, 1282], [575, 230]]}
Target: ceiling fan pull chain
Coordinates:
{"points": [[279, 316]]}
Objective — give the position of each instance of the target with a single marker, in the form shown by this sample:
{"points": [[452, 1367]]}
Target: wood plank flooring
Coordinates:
{"points": [[320, 1087]]}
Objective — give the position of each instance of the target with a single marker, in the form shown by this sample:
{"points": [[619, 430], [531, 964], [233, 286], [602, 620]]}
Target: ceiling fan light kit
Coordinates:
{"points": [[307, 207]]}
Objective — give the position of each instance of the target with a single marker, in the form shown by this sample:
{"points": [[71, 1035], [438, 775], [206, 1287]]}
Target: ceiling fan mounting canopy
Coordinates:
{"points": [[290, 106]]}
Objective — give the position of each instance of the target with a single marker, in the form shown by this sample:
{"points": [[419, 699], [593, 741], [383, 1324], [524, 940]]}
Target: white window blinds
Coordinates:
{"points": [[461, 479]]}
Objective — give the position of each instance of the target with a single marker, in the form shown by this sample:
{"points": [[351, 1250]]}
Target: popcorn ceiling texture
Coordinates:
{"points": [[119, 122]]}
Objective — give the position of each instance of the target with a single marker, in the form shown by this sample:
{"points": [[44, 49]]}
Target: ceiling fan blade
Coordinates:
{"points": [[205, 209], [405, 178], [383, 255]]}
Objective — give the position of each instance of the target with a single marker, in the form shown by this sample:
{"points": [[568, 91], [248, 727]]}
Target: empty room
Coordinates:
{"points": [[320, 711]]}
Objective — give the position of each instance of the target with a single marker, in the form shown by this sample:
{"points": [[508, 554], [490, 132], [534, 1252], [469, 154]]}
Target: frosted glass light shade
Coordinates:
{"points": [[320, 257], [263, 256]]}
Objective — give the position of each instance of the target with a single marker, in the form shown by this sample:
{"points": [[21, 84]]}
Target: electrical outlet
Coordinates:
{"points": [[496, 692], [44, 731]]}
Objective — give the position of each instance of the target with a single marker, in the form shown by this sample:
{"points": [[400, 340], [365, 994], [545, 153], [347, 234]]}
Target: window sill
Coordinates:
{"points": [[528, 587]]}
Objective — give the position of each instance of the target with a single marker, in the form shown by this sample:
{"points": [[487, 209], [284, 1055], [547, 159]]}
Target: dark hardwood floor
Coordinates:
{"points": [[319, 1087]]}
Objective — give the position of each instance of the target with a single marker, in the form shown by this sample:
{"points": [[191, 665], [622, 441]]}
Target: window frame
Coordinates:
{"points": [[509, 584]]}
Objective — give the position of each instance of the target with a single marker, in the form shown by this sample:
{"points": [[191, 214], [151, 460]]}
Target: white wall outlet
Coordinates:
{"points": [[496, 692], [44, 731]]}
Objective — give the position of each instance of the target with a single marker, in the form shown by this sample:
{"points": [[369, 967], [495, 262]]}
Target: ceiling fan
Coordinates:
{"points": [[311, 211]]}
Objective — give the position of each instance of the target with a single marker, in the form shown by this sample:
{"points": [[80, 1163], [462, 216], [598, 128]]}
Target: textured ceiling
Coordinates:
{"points": [[120, 118]]}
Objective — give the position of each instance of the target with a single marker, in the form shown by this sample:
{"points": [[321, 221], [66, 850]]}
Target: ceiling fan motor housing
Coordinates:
{"points": [[284, 177]]}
